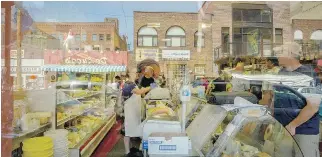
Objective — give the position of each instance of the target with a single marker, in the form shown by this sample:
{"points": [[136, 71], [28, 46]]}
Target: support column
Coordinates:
{"points": [[6, 91]]}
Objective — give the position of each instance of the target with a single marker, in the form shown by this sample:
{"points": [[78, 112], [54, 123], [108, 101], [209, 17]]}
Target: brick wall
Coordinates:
{"points": [[190, 22], [88, 28], [307, 27]]}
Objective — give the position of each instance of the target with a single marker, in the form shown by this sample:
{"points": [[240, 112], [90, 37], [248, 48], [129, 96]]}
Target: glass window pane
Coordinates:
{"points": [[176, 41], [237, 15], [147, 41], [155, 41], [77, 37], [140, 41], [108, 37], [183, 41], [266, 15], [84, 37], [94, 37], [101, 37]]}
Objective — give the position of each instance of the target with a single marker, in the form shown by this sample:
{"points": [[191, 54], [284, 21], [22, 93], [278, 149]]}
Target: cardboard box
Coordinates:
{"points": [[168, 144]]}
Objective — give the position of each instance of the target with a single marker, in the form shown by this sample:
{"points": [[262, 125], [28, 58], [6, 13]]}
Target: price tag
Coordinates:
{"points": [[145, 145]]}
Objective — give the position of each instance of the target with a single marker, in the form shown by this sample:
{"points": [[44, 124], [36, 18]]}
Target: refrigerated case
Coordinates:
{"points": [[81, 105], [229, 131]]}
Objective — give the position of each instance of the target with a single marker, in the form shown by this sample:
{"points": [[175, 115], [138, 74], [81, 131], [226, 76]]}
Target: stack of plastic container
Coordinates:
{"points": [[60, 141], [38, 147]]}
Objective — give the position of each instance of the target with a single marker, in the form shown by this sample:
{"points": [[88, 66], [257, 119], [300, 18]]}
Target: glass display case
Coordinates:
{"points": [[230, 131]]}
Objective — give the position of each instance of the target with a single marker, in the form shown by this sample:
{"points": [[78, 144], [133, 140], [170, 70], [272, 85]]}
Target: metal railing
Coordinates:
{"points": [[259, 49]]}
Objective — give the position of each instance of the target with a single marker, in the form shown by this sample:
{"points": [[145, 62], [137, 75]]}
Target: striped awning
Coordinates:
{"points": [[84, 68]]}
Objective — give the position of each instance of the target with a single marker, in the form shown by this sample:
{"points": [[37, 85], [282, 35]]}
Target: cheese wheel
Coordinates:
{"points": [[268, 132]]}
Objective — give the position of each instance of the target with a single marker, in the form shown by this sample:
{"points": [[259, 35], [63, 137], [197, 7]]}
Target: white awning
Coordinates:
{"points": [[84, 68]]}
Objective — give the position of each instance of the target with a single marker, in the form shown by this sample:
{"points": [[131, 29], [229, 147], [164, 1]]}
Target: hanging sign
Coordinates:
{"points": [[176, 54], [142, 54], [84, 58]]}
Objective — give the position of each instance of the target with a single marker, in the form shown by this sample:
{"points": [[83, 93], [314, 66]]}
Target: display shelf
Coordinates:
{"points": [[83, 97], [95, 141], [89, 143], [63, 121], [19, 137]]}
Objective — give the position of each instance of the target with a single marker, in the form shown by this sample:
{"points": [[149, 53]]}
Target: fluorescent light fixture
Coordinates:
{"points": [[163, 47]]}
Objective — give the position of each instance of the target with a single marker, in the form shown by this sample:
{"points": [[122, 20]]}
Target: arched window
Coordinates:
{"points": [[176, 37], [316, 37], [147, 36], [298, 36], [199, 39]]}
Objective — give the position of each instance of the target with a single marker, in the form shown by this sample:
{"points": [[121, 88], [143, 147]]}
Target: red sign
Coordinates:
{"points": [[83, 58]]}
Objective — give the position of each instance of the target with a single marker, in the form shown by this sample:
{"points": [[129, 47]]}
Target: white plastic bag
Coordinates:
{"points": [[132, 111]]}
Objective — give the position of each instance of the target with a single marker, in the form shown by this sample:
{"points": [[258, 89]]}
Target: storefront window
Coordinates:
{"points": [[147, 36], [199, 40], [176, 37]]}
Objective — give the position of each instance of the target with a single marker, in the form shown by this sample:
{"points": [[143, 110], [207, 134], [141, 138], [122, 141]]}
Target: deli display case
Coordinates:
{"points": [[239, 131]]}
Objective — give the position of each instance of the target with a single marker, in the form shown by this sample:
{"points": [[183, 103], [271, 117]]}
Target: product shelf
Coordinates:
{"points": [[69, 118], [89, 148]]}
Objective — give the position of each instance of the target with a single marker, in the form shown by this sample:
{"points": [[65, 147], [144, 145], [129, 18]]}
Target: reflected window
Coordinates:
{"points": [[147, 36], [94, 37], [199, 39], [279, 36], [101, 37], [108, 37], [84, 37], [176, 37], [298, 36], [77, 37], [316, 38], [225, 39], [252, 15]]}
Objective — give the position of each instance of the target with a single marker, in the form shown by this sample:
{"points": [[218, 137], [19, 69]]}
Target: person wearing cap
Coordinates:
{"points": [[305, 127], [147, 71]]}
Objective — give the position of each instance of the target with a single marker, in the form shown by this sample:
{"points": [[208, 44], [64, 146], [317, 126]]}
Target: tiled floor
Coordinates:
{"points": [[118, 149]]}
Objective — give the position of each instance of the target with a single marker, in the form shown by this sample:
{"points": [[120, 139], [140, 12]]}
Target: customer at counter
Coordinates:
{"points": [[305, 127]]}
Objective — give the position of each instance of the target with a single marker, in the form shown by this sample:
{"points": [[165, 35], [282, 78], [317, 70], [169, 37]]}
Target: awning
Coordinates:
{"points": [[84, 68]]}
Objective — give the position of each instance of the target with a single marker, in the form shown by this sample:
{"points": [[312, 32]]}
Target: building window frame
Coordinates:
{"points": [[84, 37], [77, 37], [170, 36], [199, 39], [101, 37], [108, 37], [278, 36], [147, 34], [94, 37]]}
